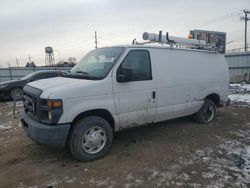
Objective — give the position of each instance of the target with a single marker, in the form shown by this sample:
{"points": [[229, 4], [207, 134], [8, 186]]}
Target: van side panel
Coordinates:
{"points": [[185, 78]]}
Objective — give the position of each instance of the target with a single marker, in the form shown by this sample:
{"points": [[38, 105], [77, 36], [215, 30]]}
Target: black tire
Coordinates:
{"points": [[78, 137], [16, 93], [206, 113]]}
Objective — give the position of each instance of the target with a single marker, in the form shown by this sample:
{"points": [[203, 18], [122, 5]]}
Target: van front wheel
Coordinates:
{"points": [[206, 113], [91, 138]]}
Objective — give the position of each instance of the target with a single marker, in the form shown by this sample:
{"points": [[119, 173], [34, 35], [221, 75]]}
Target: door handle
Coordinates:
{"points": [[153, 94]]}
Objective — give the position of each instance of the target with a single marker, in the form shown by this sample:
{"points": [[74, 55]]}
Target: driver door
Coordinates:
{"points": [[134, 92]]}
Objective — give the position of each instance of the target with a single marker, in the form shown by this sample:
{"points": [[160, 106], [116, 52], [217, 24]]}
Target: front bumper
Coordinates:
{"points": [[53, 135]]}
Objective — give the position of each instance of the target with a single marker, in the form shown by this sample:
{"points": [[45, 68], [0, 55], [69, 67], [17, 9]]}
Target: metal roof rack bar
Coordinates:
{"points": [[172, 40]]}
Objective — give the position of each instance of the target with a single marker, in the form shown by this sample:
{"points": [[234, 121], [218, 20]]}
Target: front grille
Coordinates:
{"points": [[31, 100], [30, 104]]}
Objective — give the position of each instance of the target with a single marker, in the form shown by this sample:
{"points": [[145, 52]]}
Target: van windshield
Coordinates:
{"points": [[97, 63]]}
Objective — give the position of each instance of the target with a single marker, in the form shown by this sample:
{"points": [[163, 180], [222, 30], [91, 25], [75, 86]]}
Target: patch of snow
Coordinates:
{"points": [[5, 127], [240, 98], [69, 179], [53, 184], [107, 182], [10, 113], [239, 88], [208, 175], [239, 133], [240, 93], [226, 164], [194, 185], [21, 185], [155, 173], [19, 103], [132, 182]]}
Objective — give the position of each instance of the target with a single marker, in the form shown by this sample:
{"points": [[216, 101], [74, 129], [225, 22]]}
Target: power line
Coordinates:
{"points": [[220, 18], [79, 42], [245, 18]]}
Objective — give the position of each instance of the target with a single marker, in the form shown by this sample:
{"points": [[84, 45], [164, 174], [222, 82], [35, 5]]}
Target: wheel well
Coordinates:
{"points": [[214, 97], [98, 112]]}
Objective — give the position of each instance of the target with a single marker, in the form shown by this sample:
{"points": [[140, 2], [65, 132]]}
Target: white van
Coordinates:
{"points": [[118, 87]]}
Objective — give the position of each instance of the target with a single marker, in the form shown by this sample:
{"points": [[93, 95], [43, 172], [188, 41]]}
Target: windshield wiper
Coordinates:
{"points": [[82, 75], [82, 72]]}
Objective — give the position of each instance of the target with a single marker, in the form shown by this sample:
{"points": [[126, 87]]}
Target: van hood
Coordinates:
{"points": [[55, 82], [63, 88]]}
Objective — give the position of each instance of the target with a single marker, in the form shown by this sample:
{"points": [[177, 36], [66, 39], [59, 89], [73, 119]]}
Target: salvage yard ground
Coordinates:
{"points": [[176, 153]]}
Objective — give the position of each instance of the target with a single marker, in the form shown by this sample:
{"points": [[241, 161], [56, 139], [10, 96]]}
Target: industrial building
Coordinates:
{"points": [[239, 66]]}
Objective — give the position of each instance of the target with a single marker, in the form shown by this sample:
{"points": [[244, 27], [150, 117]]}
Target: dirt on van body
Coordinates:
{"points": [[176, 153]]}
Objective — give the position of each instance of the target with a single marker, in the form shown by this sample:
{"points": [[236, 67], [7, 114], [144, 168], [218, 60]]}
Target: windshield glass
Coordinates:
{"points": [[97, 63], [28, 76]]}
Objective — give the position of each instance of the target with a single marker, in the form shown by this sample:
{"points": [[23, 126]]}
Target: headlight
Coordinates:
{"points": [[49, 115], [51, 103], [3, 86], [51, 110]]}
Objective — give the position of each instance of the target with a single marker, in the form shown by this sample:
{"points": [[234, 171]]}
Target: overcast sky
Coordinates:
{"points": [[27, 26]]}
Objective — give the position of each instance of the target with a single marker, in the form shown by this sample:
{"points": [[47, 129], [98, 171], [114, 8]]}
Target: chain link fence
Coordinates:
{"points": [[13, 73]]}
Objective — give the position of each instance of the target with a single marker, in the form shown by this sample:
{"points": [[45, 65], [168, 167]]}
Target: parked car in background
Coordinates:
{"points": [[13, 89]]}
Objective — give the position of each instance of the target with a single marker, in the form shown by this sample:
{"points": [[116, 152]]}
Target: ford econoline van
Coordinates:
{"points": [[113, 88]]}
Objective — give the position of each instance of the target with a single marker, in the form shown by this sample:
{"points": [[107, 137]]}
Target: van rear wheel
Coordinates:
{"points": [[206, 113], [91, 138]]}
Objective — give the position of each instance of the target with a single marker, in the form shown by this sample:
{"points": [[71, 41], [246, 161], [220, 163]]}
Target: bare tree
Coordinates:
{"points": [[72, 60]]}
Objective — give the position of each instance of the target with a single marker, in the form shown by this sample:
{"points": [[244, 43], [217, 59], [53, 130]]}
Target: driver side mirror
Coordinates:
{"points": [[123, 75], [121, 78]]}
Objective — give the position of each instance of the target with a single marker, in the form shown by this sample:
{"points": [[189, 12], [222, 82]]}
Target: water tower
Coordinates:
{"points": [[49, 56]]}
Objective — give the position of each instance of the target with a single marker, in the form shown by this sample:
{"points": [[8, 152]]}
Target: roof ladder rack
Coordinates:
{"points": [[171, 40]]}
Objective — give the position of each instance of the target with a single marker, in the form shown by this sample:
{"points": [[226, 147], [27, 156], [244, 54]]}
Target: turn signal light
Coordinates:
{"points": [[56, 104]]}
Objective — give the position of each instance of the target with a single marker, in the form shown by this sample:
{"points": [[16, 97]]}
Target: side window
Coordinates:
{"points": [[135, 67], [38, 77], [52, 74]]}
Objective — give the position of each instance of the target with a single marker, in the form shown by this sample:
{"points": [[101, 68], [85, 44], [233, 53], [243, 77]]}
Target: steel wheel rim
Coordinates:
{"points": [[17, 94], [94, 140], [209, 113]]}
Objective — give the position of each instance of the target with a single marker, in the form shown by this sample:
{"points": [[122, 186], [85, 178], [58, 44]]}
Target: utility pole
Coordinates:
{"points": [[245, 18], [17, 63], [29, 59], [95, 39]]}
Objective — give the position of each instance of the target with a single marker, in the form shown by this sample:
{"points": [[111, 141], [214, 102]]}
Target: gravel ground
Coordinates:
{"points": [[176, 153]]}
